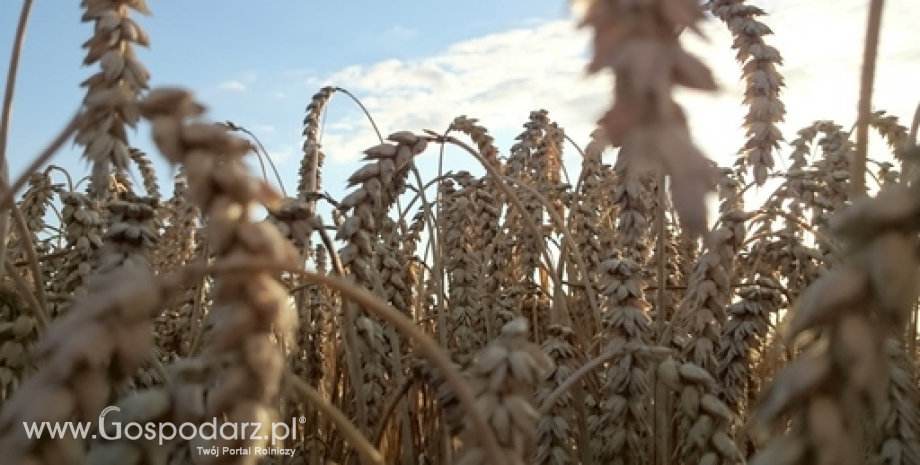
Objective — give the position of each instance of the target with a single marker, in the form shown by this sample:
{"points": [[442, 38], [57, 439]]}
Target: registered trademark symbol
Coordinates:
{"points": [[303, 419]]}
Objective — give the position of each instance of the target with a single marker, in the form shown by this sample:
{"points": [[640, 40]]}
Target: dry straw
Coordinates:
{"points": [[511, 313]]}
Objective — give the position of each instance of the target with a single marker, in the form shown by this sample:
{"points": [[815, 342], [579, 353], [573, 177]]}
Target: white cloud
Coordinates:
{"points": [[398, 32], [233, 86], [822, 43], [240, 83], [500, 78]]}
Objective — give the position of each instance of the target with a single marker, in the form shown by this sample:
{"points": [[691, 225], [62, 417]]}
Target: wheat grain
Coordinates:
{"points": [[644, 115], [502, 378], [556, 441], [103, 133], [170, 309], [20, 332], [741, 339], [103, 338], [758, 62], [250, 310]]}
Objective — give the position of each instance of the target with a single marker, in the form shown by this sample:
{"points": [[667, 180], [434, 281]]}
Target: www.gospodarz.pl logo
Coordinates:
{"points": [[165, 431], [207, 430]]}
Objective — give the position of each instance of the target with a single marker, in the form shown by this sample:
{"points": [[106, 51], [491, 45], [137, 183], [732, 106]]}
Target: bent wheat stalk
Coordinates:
{"points": [[370, 302], [367, 450]]}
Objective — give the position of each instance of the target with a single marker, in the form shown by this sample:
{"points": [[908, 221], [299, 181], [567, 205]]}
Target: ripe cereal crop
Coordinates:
{"points": [[515, 313]]}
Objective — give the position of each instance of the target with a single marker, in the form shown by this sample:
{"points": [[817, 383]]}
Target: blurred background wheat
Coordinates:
{"points": [[616, 293]]}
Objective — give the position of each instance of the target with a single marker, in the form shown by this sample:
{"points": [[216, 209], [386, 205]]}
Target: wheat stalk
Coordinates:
{"points": [[510, 312]]}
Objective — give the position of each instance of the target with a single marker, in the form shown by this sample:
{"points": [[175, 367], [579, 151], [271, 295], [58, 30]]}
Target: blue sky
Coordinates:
{"points": [[417, 65], [257, 66]]}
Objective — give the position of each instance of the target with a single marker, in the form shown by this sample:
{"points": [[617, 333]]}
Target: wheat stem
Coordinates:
{"points": [[867, 80], [427, 346], [366, 450]]}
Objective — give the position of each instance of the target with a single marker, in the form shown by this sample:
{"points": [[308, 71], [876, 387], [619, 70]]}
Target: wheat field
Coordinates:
{"points": [[520, 315]]}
